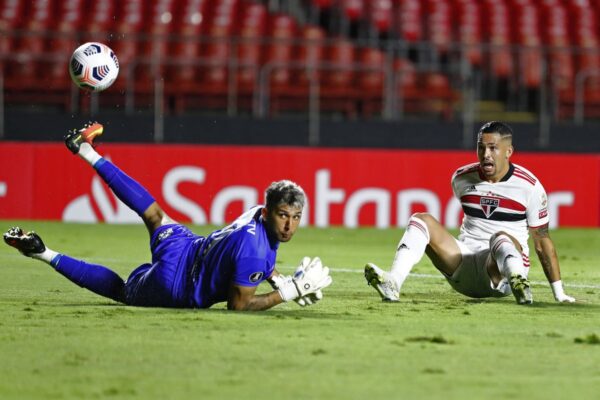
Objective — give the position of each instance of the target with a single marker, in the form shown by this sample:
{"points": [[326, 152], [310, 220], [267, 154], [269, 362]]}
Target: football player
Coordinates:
{"points": [[503, 203], [188, 270]]}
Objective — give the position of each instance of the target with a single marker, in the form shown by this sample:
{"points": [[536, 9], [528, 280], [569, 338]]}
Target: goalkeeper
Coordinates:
{"points": [[187, 270]]}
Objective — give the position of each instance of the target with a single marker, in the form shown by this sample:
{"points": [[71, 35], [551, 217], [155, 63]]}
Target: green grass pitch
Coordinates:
{"points": [[58, 341]]}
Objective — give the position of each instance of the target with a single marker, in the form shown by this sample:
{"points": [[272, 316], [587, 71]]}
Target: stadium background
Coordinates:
{"points": [[371, 100]]}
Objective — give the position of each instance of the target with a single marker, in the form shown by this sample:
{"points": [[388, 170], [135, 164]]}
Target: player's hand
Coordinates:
{"points": [[306, 284], [279, 281], [311, 277]]}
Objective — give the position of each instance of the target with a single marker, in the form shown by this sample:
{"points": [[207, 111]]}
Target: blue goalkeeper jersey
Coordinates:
{"points": [[241, 253]]}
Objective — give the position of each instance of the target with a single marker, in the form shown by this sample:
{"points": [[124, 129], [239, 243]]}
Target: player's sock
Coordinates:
{"points": [[127, 189], [410, 249], [96, 278], [88, 153], [47, 255], [507, 256]]}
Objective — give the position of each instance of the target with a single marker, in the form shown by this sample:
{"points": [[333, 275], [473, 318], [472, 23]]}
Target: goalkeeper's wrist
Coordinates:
{"points": [[288, 291], [557, 288]]}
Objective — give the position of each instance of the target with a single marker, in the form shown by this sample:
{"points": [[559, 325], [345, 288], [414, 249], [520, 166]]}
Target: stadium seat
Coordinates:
{"points": [[555, 35], [408, 16], [185, 52], [32, 44], [33, 63], [217, 50], [11, 16], [371, 80], [467, 17], [380, 16], [306, 70], [438, 25], [338, 91], [99, 20], [496, 22], [69, 19]]}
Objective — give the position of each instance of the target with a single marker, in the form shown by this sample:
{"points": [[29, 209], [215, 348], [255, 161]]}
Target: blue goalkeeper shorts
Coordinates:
{"points": [[165, 282]]}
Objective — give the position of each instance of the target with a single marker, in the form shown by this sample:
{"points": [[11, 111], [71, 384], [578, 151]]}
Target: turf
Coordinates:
{"points": [[58, 341]]}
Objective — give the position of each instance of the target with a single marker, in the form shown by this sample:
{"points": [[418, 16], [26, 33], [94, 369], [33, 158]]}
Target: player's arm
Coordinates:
{"points": [[244, 298], [546, 252]]}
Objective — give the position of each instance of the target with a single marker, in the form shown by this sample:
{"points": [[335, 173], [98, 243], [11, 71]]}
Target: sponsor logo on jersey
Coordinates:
{"points": [[471, 188], [543, 213], [255, 277], [489, 205]]}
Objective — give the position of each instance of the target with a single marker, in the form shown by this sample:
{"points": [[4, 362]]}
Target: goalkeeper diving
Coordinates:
{"points": [[188, 270]]}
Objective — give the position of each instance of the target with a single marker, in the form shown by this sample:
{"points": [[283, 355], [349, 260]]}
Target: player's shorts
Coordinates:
{"points": [[471, 277], [164, 283]]}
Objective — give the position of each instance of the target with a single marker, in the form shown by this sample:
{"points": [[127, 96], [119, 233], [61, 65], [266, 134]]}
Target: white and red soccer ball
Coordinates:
{"points": [[94, 66]]}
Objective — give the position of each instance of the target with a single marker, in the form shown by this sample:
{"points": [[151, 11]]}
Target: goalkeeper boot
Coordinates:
{"points": [[521, 289], [383, 282], [29, 244], [87, 134]]}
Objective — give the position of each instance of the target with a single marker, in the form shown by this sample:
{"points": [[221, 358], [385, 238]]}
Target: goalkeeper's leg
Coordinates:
{"points": [[129, 191], [96, 278]]}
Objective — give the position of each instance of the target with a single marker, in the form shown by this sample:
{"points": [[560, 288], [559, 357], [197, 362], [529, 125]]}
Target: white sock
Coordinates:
{"points": [[508, 258], [87, 153], [410, 249], [47, 255]]}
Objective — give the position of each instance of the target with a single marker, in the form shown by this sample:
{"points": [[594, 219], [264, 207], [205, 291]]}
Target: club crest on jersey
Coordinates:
{"points": [[489, 205], [255, 277]]}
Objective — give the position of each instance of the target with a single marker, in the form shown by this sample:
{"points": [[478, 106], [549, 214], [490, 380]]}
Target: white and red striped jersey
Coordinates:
{"points": [[513, 205]]}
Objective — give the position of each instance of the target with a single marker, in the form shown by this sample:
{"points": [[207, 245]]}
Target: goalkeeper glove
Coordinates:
{"points": [[308, 280]]}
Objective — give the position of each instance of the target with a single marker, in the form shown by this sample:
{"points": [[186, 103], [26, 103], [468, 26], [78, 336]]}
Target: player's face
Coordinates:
{"points": [[283, 221], [494, 154]]}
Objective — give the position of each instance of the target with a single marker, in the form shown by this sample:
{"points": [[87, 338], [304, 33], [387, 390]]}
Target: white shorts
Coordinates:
{"points": [[471, 277]]}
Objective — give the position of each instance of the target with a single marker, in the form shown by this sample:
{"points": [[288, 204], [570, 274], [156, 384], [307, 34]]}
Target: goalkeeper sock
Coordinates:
{"points": [[96, 278], [410, 249], [87, 153], [507, 256], [127, 189]]}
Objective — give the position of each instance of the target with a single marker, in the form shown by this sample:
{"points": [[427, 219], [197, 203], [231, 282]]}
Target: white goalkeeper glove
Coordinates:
{"points": [[306, 284], [559, 293], [278, 281]]}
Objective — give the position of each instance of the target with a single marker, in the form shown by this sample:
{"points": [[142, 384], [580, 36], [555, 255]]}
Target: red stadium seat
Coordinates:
{"points": [[467, 15], [218, 47], [353, 9], [186, 51], [69, 19], [32, 45], [496, 24], [252, 29], [554, 27], [338, 91], [380, 15], [371, 79], [305, 71], [408, 17], [99, 20], [280, 49], [438, 24], [11, 16]]}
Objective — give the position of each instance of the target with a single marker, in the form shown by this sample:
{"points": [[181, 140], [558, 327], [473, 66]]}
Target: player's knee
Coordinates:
{"points": [[500, 235], [424, 221]]}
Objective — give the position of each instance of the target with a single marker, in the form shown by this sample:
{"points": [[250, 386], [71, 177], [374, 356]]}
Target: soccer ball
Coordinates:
{"points": [[94, 66]]}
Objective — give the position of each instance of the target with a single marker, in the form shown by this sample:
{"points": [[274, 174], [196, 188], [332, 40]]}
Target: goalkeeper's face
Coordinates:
{"points": [[282, 221]]}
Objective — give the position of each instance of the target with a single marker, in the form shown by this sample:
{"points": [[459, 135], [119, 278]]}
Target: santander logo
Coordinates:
{"points": [[102, 205]]}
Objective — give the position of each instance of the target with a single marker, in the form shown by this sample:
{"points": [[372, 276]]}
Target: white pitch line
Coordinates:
{"points": [[102, 260]]}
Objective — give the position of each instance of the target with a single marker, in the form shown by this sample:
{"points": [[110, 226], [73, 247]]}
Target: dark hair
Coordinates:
{"points": [[495, 127], [284, 192]]}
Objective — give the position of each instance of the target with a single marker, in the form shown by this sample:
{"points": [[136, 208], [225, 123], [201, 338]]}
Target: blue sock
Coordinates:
{"points": [[96, 278], [127, 190]]}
